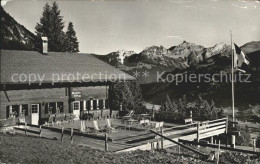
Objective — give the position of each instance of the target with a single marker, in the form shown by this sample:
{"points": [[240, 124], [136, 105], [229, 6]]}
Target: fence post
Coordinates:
{"points": [[218, 151], [40, 134], [62, 133], [227, 131], [254, 144], [198, 132], [179, 147], [14, 122], [211, 140], [162, 138], [25, 127], [233, 141], [106, 148], [71, 136]]}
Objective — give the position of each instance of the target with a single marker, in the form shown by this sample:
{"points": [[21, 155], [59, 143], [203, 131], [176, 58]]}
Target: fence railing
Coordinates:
{"points": [[198, 130]]}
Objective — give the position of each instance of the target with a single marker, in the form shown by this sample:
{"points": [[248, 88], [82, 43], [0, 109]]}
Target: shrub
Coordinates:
{"points": [[244, 138]]}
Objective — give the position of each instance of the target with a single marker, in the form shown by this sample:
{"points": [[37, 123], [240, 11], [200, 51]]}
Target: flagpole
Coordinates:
{"points": [[232, 80]]}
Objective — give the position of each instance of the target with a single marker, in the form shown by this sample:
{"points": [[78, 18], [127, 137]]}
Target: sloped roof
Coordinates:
{"points": [[18, 66]]}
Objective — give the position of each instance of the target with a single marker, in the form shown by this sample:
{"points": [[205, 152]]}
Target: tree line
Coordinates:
{"points": [[178, 110], [51, 25]]}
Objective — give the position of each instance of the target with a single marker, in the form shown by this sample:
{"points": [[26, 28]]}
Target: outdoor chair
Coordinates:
{"points": [[96, 115], [141, 125], [161, 125], [105, 114], [146, 124], [114, 114], [58, 119], [72, 117], [129, 115], [62, 117], [50, 120], [21, 119], [67, 117], [109, 126], [96, 126]]}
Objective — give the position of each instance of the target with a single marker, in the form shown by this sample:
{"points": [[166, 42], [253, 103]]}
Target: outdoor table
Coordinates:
{"points": [[130, 123], [145, 116], [153, 123]]}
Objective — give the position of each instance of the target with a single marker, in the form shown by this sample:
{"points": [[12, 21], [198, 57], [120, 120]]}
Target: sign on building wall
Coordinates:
{"points": [[76, 94]]}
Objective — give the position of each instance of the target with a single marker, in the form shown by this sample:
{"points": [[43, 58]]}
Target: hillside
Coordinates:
{"points": [[38, 150], [15, 36]]}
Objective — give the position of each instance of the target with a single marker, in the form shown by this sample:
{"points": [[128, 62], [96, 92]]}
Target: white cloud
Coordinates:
{"points": [[4, 2], [174, 37]]}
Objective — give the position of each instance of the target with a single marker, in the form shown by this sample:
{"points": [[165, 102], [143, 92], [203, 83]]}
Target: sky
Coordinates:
{"points": [[104, 26]]}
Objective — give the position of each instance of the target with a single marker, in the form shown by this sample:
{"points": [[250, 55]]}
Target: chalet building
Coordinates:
{"points": [[37, 84]]}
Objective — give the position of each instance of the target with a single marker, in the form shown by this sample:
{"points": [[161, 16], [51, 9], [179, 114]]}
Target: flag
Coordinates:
{"points": [[239, 57]]}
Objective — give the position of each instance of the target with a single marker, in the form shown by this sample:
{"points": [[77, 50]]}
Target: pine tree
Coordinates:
{"points": [[73, 44], [127, 93], [58, 36], [51, 25], [44, 27]]}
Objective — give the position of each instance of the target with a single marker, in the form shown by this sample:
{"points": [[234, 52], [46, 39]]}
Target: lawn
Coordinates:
{"points": [[26, 149]]}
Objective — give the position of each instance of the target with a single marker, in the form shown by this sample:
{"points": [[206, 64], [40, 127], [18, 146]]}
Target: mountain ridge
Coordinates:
{"points": [[15, 36]]}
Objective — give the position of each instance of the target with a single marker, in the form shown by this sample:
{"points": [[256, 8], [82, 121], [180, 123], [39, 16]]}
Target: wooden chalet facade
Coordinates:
{"points": [[36, 85]]}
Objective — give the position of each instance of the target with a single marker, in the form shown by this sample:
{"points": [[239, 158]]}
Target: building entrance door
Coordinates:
{"points": [[35, 114], [76, 109]]}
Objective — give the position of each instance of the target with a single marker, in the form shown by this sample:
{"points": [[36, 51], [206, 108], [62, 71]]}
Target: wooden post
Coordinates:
{"points": [[211, 140], [71, 136], [226, 131], [86, 126], [198, 132], [40, 134], [25, 127], [14, 122], [179, 147], [218, 151], [162, 138], [233, 141], [121, 107], [106, 146], [254, 144], [62, 133]]}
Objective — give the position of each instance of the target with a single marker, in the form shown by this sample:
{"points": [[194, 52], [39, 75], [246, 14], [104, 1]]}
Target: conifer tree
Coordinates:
{"points": [[51, 25], [43, 28], [73, 44]]}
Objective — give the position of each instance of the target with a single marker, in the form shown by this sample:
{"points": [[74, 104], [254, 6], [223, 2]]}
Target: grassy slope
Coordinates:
{"points": [[22, 149]]}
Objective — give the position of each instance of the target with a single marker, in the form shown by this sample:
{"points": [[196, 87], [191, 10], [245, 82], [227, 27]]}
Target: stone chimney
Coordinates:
{"points": [[45, 45]]}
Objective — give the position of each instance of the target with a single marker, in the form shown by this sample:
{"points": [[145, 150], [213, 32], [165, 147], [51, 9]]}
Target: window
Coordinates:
{"points": [[76, 106], [24, 110], [35, 108], [95, 104], [12, 110], [101, 104], [106, 103], [54, 107], [60, 107]]}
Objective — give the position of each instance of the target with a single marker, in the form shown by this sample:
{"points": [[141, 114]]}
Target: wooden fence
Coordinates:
{"points": [[194, 131], [38, 131]]}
